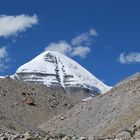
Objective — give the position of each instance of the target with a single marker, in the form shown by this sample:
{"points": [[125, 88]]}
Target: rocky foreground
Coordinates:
{"points": [[132, 133], [33, 112], [41, 135]]}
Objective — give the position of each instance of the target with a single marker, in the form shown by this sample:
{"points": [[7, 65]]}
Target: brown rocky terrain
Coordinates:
{"points": [[114, 114], [24, 106]]}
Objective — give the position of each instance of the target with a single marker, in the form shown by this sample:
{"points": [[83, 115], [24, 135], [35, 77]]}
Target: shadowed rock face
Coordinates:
{"points": [[81, 93], [104, 115]]}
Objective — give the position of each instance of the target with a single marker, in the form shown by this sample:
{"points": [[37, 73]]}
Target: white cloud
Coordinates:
{"points": [[67, 49], [62, 47], [4, 58], [3, 53], [81, 51], [79, 46], [12, 25], [84, 39], [93, 32], [130, 58]]}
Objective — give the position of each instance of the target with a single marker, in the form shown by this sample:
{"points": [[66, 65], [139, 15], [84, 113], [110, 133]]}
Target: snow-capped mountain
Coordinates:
{"points": [[57, 70]]}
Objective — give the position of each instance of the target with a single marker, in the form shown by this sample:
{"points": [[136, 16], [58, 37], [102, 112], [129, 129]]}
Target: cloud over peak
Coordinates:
{"points": [[61, 46], [78, 46], [12, 25]]}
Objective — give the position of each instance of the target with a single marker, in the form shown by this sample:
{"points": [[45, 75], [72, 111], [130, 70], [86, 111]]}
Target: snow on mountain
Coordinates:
{"points": [[57, 70]]}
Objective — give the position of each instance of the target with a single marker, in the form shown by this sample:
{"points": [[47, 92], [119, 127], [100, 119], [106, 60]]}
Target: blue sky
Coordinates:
{"points": [[102, 35]]}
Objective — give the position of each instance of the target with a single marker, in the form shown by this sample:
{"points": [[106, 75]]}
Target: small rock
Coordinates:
{"points": [[15, 137], [27, 138], [22, 136], [23, 93], [47, 137], [137, 135], [1, 135], [83, 138], [42, 133], [124, 136], [62, 118], [4, 138], [137, 124], [67, 138], [75, 138], [29, 101]]}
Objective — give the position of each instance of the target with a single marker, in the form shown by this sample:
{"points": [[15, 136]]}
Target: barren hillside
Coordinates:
{"points": [[104, 115]]}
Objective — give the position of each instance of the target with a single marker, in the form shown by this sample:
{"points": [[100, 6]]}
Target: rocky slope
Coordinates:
{"points": [[24, 106], [114, 114], [36, 112], [56, 70]]}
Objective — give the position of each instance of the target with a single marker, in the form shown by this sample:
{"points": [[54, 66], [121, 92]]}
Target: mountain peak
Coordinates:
{"points": [[54, 69]]}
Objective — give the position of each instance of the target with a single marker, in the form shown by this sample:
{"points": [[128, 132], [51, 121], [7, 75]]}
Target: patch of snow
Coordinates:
{"points": [[87, 99]]}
